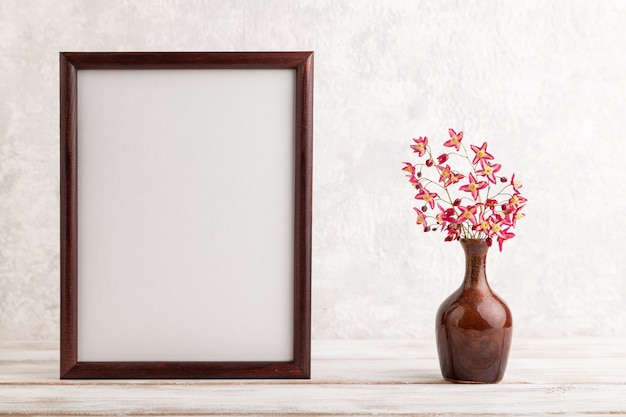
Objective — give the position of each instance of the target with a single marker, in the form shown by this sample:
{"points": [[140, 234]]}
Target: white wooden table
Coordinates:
{"points": [[570, 377]]}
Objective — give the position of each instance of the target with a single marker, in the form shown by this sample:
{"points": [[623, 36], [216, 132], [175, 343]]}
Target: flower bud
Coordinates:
{"points": [[424, 207], [442, 158], [429, 162], [457, 202], [419, 174], [503, 179]]}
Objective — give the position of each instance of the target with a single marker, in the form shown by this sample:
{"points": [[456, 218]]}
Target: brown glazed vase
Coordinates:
{"points": [[474, 325]]}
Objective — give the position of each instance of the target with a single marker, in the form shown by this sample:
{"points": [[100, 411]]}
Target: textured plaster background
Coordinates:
{"points": [[543, 81]]}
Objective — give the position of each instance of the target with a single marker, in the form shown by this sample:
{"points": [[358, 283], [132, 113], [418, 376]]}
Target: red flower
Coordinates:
{"points": [[421, 218], [515, 215], [444, 174], [454, 178], [481, 153], [495, 226], [455, 140], [517, 184], [517, 199], [504, 236], [410, 169], [468, 213], [427, 196], [445, 216], [489, 170], [451, 237], [483, 225], [473, 186], [491, 215], [420, 145], [453, 232]]}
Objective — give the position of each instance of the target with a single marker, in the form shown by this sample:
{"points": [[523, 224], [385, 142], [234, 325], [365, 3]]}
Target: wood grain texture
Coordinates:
{"points": [[572, 377], [70, 64], [68, 213], [187, 60]]}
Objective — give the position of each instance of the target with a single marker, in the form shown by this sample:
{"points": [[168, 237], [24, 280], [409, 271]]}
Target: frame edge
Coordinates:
{"points": [[68, 264], [303, 210], [70, 63]]}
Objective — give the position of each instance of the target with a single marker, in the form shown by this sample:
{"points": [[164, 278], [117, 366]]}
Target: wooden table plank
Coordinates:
{"points": [[355, 378], [261, 399]]}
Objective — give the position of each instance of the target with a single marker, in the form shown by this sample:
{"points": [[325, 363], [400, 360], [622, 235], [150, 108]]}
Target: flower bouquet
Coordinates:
{"points": [[471, 200], [474, 203]]}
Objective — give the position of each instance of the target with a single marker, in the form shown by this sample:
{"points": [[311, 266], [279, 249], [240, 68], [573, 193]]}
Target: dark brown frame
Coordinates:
{"points": [[70, 64]]}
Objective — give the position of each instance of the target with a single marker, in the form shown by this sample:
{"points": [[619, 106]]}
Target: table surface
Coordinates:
{"points": [[571, 377]]}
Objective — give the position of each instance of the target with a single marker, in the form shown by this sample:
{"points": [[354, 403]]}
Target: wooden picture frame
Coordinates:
{"points": [[186, 214]]}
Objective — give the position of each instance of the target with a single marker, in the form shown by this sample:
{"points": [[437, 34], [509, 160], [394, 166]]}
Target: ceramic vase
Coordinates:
{"points": [[473, 325]]}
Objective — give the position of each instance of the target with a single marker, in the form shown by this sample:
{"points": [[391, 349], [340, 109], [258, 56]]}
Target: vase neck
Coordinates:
{"points": [[475, 263]]}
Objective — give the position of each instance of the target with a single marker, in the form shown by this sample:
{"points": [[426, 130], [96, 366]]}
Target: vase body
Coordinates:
{"points": [[473, 325]]}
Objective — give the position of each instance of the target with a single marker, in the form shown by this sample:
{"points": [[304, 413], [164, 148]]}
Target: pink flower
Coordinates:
{"points": [[444, 173], [409, 168], [491, 214], [505, 235], [517, 199], [495, 226], [453, 178], [445, 216], [517, 184], [427, 196], [420, 145], [453, 230], [473, 186], [516, 215], [455, 140], [481, 153], [468, 213], [507, 208], [421, 218], [489, 170], [415, 182], [483, 225]]}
